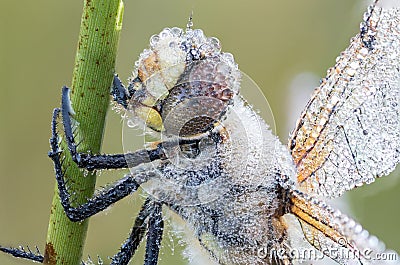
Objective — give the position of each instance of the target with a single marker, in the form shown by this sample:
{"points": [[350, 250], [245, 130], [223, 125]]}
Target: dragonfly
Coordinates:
{"points": [[211, 159]]}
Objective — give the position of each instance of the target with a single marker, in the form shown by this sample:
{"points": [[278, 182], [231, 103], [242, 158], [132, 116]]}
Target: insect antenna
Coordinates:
{"points": [[189, 25]]}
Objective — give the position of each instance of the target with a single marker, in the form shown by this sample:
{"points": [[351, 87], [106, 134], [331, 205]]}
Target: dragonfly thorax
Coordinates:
{"points": [[231, 193]]}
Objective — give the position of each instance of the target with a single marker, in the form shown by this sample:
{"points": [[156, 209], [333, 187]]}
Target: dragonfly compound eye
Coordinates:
{"points": [[199, 99]]}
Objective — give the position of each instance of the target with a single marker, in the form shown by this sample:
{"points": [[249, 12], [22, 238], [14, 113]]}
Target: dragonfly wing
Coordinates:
{"points": [[349, 132], [336, 235]]}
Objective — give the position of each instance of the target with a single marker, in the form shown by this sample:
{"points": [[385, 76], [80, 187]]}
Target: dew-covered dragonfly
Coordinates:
{"points": [[211, 159]]}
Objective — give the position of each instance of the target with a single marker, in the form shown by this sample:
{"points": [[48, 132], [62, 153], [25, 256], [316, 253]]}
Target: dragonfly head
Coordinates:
{"points": [[183, 84]]}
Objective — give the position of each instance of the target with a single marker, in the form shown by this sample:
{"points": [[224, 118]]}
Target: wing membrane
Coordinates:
{"points": [[336, 235], [349, 132]]}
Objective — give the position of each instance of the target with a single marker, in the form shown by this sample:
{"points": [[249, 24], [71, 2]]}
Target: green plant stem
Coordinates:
{"points": [[93, 73]]}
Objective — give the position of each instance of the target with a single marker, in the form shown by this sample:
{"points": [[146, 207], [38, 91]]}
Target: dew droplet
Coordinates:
{"points": [[154, 40]]}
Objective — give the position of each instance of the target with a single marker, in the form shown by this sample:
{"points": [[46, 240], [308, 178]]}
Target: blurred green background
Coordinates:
{"points": [[272, 41]]}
